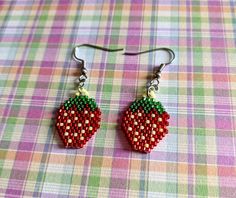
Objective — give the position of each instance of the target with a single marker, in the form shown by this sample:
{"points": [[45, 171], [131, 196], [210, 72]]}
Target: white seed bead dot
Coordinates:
{"points": [[143, 137], [61, 124], [159, 119], [92, 115], [79, 124], [81, 138], [136, 133], [147, 121], [153, 115], [76, 118], [90, 128], [72, 112], [69, 121], [135, 139], [139, 114], [66, 134], [129, 129], [152, 139], [68, 127], [161, 130], [86, 112], [153, 132], [75, 134], [86, 121], [69, 140], [65, 114], [147, 145], [142, 127], [83, 131], [154, 125], [132, 116], [135, 123]]}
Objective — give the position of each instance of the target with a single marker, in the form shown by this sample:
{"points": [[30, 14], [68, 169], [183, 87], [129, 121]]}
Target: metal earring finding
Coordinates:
{"points": [[152, 86], [83, 75]]}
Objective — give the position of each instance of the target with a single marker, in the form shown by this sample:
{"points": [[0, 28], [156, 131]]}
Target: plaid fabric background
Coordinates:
{"points": [[198, 156]]}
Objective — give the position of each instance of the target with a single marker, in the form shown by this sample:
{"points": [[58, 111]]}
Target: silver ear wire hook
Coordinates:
{"points": [[152, 86], [83, 76], [92, 46], [168, 50]]}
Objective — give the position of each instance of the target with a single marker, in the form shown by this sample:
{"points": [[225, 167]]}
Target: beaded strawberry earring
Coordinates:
{"points": [[78, 118], [145, 121]]}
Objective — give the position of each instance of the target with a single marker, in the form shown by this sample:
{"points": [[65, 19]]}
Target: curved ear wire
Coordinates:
{"points": [[169, 51], [153, 85], [83, 76], [92, 46]]}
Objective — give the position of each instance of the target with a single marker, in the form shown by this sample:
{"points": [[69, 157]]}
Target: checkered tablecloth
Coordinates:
{"points": [[198, 156]]}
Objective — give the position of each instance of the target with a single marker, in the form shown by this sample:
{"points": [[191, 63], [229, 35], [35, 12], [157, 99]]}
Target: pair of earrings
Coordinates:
{"points": [[144, 122]]}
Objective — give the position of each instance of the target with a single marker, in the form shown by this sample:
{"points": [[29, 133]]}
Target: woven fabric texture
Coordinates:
{"points": [[198, 156]]}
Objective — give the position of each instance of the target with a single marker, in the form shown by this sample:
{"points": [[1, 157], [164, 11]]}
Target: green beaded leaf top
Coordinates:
{"points": [[147, 104], [80, 101]]}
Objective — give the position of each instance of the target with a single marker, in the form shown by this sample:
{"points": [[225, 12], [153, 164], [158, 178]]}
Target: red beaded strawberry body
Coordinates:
{"points": [[77, 121], [145, 124]]}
